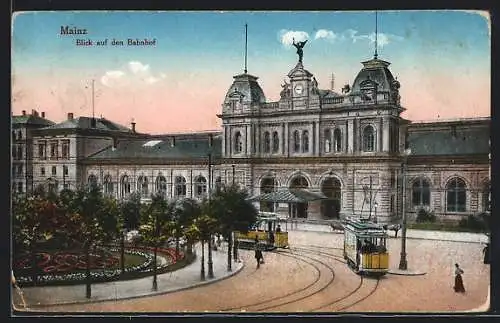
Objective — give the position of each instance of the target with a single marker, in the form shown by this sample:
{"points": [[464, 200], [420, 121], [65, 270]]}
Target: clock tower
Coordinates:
{"points": [[303, 86]]}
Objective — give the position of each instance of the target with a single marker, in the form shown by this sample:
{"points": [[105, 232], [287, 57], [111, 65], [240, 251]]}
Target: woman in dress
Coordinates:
{"points": [[459, 283]]}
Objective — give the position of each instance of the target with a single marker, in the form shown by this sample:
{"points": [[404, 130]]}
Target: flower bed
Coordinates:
{"points": [[64, 268]]}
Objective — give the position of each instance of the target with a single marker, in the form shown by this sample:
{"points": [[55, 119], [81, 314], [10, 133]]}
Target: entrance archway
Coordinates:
{"points": [[299, 209], [331, 188], [267, 185]]}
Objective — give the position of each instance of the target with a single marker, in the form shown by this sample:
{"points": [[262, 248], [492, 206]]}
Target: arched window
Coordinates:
{"points": [[267, 142], [54, 170], [19, 152], [200, 186], [180, 186], [368, 139], [456, 195], [421, 194], [328, 141], [276, 142], [337, 140], [108, 185], [161, 185], [238, 143], [92, 180], [305, 141], [19, 135], [142, 186], [125, 186], [296, 141]]}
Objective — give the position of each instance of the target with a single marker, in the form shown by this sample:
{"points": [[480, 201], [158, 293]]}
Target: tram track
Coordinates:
{"points": [[291, 297], [351, 299]]}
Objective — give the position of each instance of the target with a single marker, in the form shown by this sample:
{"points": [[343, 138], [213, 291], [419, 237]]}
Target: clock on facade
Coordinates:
{"points": [[299, 89]]}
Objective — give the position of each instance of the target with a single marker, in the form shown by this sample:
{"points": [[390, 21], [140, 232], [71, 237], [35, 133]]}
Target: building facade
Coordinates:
{"points": [[353, 147], [22, 128]]}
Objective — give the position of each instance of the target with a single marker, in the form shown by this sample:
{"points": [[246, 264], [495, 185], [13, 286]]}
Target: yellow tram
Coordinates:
{"points": [[268, 231], [365, 247]]}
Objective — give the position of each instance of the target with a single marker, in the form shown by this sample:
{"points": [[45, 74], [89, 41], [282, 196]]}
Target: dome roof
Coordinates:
{"points": [[246, 87], [375, 70]]}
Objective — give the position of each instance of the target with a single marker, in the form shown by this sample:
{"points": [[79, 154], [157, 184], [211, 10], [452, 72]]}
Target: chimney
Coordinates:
{"points": [[43, 114], [24, 112], [133, 126], [172, 142], [70, 115]]}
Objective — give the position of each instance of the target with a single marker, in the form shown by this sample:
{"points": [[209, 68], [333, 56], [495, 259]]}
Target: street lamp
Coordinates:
{"points": [[233, 166], [403, 263], [210, 263], [375, 206], [122, 253]]}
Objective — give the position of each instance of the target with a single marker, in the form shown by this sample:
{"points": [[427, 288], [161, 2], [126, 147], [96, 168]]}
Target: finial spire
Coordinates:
{"points": [[376, 35], [246, 43]]}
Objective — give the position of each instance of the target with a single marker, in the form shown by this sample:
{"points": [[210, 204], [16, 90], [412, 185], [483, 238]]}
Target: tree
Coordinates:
{"points": [[131, 211], [97, 220], [234, 211], [185, 211], [33, 224], [205, 226], [156, 227]]}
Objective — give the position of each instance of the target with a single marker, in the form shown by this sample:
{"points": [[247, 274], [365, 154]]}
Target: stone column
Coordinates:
{"points": [[350, 136], [316, 138], [385, 134], [286, 141]]}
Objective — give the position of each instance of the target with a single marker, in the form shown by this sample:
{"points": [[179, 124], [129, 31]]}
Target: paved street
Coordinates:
{"points": [[311, 276]]}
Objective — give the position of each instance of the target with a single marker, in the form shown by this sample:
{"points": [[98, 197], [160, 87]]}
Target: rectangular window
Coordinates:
{"points": [[65, 149], [19, 170], [19, 187], [65, 170], [42, 146], [42, 171], [53, 150], [54, 170]]}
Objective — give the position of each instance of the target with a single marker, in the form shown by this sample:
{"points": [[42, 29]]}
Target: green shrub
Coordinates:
{"points": [[473, 222], [425, 216]]}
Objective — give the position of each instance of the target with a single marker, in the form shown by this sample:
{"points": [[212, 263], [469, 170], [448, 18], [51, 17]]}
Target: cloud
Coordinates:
{"points": [[135, 72], [383, 39], [325, 34], [287, 37], [112, 78]]}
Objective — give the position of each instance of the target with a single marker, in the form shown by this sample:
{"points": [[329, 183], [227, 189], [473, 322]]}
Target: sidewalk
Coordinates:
{"points": [[410, 234], [181, 279]]}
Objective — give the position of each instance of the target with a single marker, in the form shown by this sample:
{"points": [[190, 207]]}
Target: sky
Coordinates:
{"points": [[178, 83]]}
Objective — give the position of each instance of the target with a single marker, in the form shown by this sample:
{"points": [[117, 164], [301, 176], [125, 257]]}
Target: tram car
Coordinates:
{"points": [[365, 247], [268, 231]]}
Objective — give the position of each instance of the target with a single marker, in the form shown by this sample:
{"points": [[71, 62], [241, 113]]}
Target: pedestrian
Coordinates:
{"points": [[459, 283], [486, 252], [278, 229]]}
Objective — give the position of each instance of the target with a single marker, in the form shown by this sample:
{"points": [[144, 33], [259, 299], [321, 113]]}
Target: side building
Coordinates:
{"points": [[22, 128]]}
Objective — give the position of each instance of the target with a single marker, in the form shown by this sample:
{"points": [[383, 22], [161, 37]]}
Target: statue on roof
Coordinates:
{"points": [[299, 45]]}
